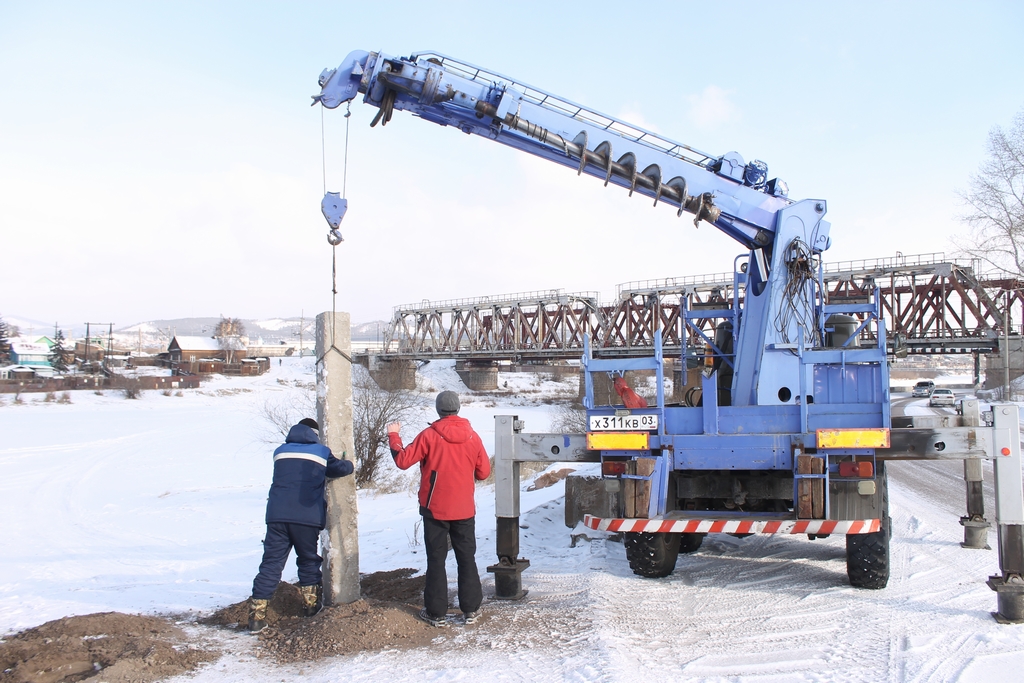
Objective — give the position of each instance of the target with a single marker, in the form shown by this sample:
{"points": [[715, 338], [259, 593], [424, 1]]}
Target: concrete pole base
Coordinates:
{"points": [[1009, 600], [975, 533], [508, 579]]}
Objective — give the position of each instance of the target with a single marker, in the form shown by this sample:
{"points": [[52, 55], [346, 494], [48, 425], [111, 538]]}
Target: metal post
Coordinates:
{"points": [[1006, 354], [974, 523], [1009, 583], [340, 539], [508, 572]]}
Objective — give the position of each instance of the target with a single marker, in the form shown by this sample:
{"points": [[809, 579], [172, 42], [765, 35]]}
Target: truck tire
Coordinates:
{"points": [[867, 555], [652, 555], [689, 543]]}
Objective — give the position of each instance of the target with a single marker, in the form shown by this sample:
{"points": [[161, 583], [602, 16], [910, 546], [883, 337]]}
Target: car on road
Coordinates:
{"points": [[941, 397], [923, 389]]}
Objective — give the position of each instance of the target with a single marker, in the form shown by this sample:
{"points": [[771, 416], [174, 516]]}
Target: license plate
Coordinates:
{"points": [[619, 423]]}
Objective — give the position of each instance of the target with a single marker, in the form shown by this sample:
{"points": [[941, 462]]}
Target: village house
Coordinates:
{"points": [[187, 349], [29, 353]]}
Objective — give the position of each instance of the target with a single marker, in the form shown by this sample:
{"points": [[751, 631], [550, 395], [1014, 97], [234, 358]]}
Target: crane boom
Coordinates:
{"points": [[736, 197]]}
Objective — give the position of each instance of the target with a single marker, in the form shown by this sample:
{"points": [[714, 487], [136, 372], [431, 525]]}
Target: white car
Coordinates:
{"points": [[941, 397]]}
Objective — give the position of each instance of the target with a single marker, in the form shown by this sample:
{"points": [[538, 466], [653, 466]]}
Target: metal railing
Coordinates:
{"points": [[571, 109], [553, 296]]}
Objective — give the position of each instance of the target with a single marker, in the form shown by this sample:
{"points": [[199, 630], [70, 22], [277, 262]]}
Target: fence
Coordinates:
{"points": [[18, 386]]}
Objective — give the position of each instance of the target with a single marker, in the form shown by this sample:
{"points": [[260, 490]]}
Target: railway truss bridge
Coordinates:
{"points": [[930, 304]]}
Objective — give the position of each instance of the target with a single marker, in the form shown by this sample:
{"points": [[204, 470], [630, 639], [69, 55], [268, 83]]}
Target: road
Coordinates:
{"points": [[940, 482]]}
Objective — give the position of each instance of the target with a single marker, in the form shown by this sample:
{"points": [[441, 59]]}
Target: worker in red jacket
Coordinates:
{"points": [[451, 455]]}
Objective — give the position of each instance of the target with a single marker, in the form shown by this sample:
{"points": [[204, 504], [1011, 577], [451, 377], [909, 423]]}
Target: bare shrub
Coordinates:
{"points": [[414, 540], [131, 387], [372, 409], [280, 413], [569, 418], [50, 397], [166, 392], [179, 393], [65, 398]]}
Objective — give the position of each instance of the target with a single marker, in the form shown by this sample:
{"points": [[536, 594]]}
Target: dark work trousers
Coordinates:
{"points": [[435, 539], [281, 538]]}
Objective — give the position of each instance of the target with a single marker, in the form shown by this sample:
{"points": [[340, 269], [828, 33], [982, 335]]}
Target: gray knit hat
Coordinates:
{"points": [[447, 403]]}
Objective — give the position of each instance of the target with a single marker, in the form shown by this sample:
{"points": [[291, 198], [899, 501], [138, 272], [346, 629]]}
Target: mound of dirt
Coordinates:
{"points": [[285, 603], [347, 629], [397, 585], [383, 619], [123, 648], [120, 648]]}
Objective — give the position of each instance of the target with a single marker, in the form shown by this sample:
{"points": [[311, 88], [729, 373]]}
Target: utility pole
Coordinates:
{"points": [[334, 413], [110, 336]]}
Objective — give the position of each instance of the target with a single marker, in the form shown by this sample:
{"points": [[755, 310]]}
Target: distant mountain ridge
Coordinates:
{"points": [[153, 334], [269, 330]]}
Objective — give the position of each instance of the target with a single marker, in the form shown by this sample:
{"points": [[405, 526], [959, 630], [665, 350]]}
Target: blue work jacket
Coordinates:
{"points": [[301, 466]]}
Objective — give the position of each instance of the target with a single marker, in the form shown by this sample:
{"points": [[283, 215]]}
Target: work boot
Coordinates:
{"points": [[257, 615], [312, 599]]}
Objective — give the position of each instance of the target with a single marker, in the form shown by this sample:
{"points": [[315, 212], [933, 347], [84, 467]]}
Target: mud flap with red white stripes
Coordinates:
{"points": [[733, 526]]}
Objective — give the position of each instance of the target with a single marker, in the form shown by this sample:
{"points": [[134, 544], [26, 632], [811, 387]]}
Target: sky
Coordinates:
{"points": [[161, 160]]}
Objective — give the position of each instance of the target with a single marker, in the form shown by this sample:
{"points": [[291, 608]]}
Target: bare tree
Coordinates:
{"points": [[280, 414], [229, 333], [372, 409], [229, 327], [995, 202]]}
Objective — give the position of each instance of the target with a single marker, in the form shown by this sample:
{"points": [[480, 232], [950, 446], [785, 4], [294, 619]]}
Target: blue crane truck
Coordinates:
{"points": [[791, 429]]}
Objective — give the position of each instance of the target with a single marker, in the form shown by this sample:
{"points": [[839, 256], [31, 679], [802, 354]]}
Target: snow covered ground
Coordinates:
{"points": [[156, 506]]}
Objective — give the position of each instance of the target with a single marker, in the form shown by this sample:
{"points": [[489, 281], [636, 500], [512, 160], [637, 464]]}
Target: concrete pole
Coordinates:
{"points": [[334, 413]]}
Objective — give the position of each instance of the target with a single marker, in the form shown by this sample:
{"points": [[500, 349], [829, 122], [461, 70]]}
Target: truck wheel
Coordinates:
{"points": [[867, 555], [652, 555], [689, 543]]}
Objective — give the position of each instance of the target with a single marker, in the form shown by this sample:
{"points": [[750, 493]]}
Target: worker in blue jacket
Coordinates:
{"points": [[296, 512]]}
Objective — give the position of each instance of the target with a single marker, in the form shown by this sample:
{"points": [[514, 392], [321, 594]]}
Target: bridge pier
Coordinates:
{"points": [[478, 375], [391, 374], [995, 363]]}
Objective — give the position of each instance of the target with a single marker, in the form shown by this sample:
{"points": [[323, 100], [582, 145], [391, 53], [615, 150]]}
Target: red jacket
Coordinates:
{"points": [[450, 454]]}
